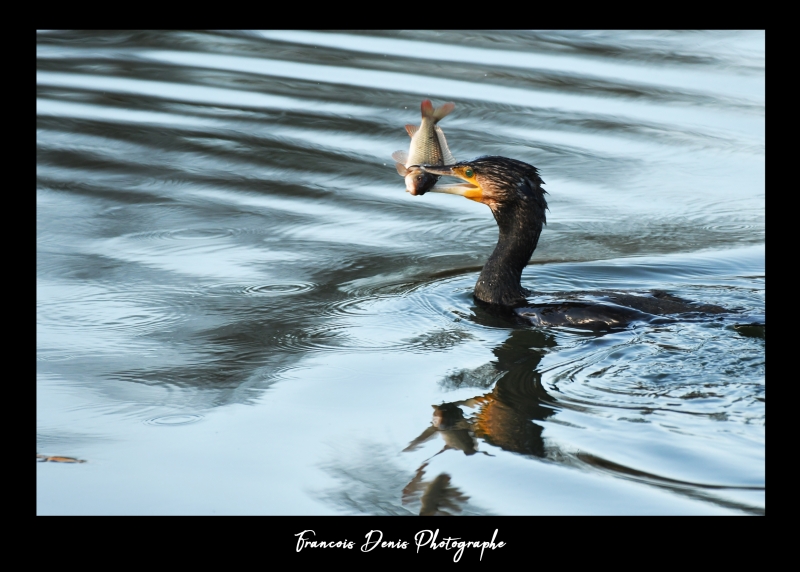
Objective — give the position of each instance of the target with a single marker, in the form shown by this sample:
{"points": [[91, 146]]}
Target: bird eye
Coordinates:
{"points": [[468, 173]]}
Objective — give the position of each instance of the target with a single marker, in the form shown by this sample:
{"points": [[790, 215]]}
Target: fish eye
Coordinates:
{"points": [[468, 173]]}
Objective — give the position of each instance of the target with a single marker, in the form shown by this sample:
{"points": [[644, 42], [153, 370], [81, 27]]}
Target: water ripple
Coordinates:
{"points": [[634, 375], [173, 420], [220, 227]]}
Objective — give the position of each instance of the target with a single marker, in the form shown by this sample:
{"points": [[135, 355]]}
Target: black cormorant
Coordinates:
{"points": [[513, 190]]}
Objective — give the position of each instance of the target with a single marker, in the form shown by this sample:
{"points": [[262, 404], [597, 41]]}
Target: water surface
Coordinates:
{"points": [[239, 310]]}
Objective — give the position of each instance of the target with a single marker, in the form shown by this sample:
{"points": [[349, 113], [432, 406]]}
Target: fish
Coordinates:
{"points": [[428, 147]]}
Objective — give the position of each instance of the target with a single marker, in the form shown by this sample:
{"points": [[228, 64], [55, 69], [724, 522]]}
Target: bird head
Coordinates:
{"points": [[494, 181]]}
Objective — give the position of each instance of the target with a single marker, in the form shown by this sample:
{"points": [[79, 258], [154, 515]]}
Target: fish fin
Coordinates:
{"points": [[413, 488], [401, 169], [441, 112], [400, 157], [411, 129], [447, 156], [427, 109], [425, 436]]}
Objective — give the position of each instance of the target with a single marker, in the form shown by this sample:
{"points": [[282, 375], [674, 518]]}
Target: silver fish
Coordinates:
{"points": [[428, 147]]}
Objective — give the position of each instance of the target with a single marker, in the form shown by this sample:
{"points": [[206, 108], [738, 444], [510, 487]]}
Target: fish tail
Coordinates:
{"points": [[438, 113]]}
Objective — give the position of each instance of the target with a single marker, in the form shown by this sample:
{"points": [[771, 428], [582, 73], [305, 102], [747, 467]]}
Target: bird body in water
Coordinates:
{"points": [[513, 191]]}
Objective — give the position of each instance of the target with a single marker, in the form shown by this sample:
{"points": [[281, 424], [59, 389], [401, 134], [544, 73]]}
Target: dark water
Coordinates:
{"points": [[239, 310]]}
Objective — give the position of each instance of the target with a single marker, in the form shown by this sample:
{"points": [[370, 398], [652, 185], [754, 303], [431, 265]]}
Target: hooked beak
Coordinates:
{"points": [[466, 189]]}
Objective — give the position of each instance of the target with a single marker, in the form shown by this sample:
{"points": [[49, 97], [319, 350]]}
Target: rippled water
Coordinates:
{"points": [[239, 309]]}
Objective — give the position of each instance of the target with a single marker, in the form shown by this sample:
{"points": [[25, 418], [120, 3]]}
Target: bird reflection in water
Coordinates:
{"points": [[437, 497], [504, 417], [449, 423]]}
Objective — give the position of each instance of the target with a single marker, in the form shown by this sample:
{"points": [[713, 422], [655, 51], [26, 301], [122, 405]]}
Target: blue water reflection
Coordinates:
{"points": [[239, 310]]}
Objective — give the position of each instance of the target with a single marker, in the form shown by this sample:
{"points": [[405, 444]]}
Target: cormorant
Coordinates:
{"points": [[513, 190]]}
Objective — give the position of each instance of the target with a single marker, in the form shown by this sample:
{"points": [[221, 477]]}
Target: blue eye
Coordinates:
{"points": [[468, 173]]}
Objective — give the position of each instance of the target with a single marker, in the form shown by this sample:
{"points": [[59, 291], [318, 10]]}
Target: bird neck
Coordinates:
{"points": [[499, 282]]}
